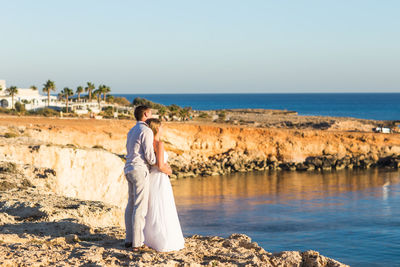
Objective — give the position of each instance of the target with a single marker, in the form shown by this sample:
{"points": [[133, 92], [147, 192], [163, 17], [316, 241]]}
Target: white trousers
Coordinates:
{"points": [[136, 209]]}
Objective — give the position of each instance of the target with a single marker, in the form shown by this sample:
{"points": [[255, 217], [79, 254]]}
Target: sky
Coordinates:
{"points": [[208, 46]]}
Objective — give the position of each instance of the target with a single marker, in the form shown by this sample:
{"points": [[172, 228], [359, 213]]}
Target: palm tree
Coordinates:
{"points": [[33, 87], [67, 93], [79, 90], [107, 90], [48, 87], [11, 91], [102, 90], [98, 93], [90, 86]]}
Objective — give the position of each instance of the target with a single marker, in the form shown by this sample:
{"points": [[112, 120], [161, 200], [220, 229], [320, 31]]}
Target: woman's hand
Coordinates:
{"points": [[168, 170], [163, 167]]}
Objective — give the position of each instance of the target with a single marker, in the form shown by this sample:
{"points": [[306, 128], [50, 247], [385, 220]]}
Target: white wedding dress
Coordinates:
{"points": [[162, 230]]}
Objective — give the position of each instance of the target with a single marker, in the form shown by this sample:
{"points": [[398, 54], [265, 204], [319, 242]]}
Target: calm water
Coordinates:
{"points": [[351, 216], [385, 106]]}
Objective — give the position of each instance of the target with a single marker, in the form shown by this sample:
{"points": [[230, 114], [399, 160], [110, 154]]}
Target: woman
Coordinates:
{"points": [[162, 230]]}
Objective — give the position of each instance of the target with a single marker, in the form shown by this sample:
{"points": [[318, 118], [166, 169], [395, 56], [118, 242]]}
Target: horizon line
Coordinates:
{"points": [[247, 93]]}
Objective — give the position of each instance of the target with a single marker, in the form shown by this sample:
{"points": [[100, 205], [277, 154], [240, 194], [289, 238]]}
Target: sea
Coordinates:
{"points": [[375, 106], [352, 216]]}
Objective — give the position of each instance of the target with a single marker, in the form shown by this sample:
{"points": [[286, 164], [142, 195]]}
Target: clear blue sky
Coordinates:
{"points": [[226, 46]]}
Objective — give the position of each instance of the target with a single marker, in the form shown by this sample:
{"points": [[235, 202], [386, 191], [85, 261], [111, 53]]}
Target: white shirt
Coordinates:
{"points": [[139, 147]]}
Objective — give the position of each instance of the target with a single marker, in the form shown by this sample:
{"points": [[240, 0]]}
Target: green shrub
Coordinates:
{"points": [[221, 115], [138, 101], [204, 115], [174, 107], [122, 101], [10, 135], [6, 111], [110, 99], [47, 112], [124, 116], [107, 112], [162, 111], [19, 107]]}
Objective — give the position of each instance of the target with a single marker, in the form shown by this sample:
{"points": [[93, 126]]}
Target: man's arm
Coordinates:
{"points": [[148, 148]]}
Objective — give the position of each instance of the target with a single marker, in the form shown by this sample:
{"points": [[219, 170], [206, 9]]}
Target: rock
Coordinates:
{"points": [[314, 259], [327, 165], [287, 258], [71, 238], [8, 167], [272, 158], [310, 167], [326, 168], [6, 218], [236, 167], [349, 166], [340, 166], [301, 167]]}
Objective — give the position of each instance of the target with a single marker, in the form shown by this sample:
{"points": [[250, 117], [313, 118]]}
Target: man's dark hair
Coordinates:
{"points": [[139, 112]]}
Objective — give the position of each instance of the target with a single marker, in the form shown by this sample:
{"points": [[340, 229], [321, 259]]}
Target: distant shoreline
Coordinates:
{"points": [[254, 93], [370, 106]]}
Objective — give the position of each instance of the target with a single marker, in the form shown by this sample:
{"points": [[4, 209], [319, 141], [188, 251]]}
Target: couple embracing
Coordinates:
{"points": [[151, 219]]}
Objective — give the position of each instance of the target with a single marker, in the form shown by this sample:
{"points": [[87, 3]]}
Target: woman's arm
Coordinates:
{"points": [[161, 165]]}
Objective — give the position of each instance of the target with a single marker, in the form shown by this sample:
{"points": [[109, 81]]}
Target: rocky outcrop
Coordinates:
{"points": [[214, 150], [89, 174], [232, 161], [39, 227], [204, 149], [27, 195]]}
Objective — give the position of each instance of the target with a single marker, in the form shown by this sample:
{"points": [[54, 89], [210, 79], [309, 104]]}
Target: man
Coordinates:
{"points": [[140, 156]]}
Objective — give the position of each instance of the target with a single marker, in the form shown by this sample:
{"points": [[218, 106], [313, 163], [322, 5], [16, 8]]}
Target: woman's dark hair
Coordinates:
{"points": [[139, 112]]}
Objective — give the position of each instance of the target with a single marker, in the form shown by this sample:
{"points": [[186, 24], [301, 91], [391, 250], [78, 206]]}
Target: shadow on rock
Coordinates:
{"points": [[52, 229], [68, 229]]}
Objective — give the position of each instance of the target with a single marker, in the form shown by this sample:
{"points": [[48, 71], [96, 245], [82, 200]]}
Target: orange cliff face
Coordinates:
{"points": [[191, 141], [284, 144]]}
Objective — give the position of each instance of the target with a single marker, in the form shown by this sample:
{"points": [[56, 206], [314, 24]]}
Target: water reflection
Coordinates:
{"points": [[352, 216], [281, 186]]}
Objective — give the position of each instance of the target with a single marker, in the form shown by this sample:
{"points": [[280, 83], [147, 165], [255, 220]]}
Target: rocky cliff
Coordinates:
{"points": [[89, 174], [211, 149]]}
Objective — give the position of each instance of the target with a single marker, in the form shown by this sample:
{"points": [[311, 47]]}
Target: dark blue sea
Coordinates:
{"points": [[377, 106], [351, 216]]}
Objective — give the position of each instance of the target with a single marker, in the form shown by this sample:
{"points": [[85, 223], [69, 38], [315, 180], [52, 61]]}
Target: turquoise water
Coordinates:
{"points": [[351, 216], [378, 106]]}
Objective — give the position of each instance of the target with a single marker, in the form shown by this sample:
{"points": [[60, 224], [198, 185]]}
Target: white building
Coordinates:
{"points": [[31, 98]]}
